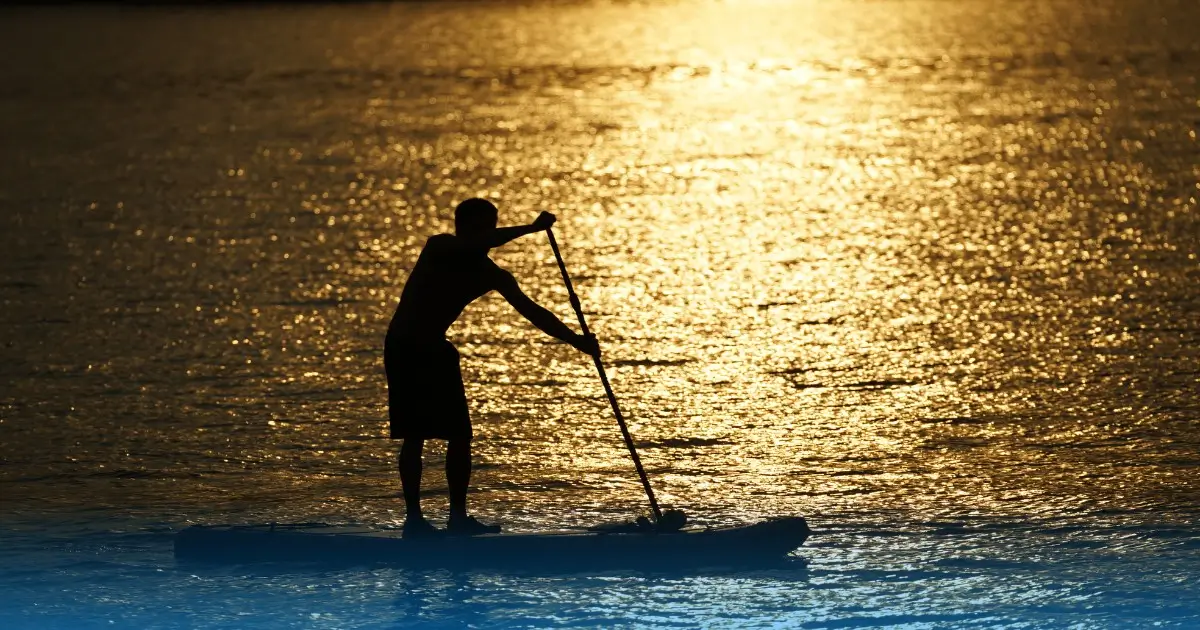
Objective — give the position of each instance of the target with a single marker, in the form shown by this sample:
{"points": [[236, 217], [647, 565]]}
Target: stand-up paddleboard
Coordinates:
{"points": [[314, 543]]}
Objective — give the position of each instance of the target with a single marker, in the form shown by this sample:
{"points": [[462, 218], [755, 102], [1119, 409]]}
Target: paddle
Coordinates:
{"points": [[612, 399]]}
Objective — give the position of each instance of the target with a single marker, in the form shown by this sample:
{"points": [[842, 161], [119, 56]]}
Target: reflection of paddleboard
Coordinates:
{"points": [[746, 544]]}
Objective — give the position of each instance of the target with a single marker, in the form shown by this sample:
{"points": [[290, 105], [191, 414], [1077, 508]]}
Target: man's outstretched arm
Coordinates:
{"points": [[546, 321], [499, 236]]}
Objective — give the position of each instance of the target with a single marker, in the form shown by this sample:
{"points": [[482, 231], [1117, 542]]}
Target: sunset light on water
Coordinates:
{"points": [[921, 272]]}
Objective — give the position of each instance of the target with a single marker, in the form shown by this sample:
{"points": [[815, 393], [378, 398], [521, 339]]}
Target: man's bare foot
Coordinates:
{"points": [[418, 527], [469, 526]]}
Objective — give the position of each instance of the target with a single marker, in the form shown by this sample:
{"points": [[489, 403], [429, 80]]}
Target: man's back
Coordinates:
{"points": [[448, 276]]}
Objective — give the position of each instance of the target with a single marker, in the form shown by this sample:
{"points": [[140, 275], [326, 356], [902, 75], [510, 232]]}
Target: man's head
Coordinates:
{"points": [[475, 216]]}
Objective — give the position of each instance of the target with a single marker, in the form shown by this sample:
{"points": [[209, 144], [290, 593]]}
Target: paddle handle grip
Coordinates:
{"points": [[612, 398]]}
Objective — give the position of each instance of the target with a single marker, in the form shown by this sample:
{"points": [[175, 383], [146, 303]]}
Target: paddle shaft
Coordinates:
{"points": [[612, 398]]}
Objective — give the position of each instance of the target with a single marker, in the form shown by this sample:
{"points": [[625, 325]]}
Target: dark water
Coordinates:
{"points": [[921, 271]]}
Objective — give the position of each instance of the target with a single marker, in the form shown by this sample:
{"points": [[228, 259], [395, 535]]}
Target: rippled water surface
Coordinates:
{"points": [[921, 271]]}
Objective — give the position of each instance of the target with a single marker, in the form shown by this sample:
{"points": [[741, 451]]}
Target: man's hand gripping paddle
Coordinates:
{"points": [[668, 521]]}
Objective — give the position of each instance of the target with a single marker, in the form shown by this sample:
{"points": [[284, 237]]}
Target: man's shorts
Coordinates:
{"points": [[425, 390]]}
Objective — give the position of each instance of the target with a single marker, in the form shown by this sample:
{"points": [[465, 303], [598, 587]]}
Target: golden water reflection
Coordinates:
{"points": [[927, 256]]}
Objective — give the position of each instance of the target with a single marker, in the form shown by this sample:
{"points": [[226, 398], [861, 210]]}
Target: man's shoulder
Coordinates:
{"points": [[442, 246], [441, 241], [448, 247]]}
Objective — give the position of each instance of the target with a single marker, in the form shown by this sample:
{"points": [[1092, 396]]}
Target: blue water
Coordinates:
{"points": [[979, 572], [922, 272]]}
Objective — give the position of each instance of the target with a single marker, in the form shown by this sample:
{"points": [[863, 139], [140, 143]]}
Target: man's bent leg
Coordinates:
{"points": [[410, 476], [458, 475]]}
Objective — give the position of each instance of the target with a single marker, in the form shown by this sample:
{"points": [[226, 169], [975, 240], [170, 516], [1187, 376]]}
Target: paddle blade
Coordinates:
{"points": [[672, 521]]}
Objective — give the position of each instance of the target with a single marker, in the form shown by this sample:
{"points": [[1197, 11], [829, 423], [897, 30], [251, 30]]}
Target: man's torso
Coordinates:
{"points": [[447, 277]]}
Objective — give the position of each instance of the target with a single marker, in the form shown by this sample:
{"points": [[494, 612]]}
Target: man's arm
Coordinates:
{"points": [[546, 321], [500, 236]]}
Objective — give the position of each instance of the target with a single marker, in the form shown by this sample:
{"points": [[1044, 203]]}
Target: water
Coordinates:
{"points": [[923, 272]]}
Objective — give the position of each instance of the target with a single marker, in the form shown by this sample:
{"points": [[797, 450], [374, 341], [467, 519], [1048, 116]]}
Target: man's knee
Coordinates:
{"points": [[411, 448]]}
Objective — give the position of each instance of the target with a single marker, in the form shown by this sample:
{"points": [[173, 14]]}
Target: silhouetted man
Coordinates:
{"points": [[426, 399]]}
